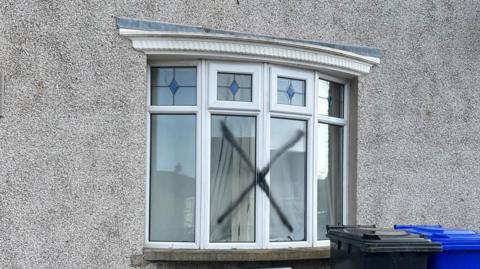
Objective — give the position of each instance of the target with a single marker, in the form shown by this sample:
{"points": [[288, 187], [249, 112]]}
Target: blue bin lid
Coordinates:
{"points": [[450, 238]]}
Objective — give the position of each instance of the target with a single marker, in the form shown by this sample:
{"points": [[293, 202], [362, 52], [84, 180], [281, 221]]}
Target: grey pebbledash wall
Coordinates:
{"points": [[72, 139]]}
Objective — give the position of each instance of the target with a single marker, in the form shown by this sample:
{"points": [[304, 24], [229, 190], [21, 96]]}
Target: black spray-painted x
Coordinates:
{"points": [[259, 174]]}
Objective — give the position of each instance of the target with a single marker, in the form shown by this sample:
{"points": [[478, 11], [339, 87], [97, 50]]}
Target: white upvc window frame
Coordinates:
{"points": [[309, 214], [175, 110], [230, 108], [263, 111], [253, 69], [341, 122], [292, 73]]}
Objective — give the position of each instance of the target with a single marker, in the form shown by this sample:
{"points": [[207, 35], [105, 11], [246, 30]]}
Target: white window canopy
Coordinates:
{"points": [[163, 39]]}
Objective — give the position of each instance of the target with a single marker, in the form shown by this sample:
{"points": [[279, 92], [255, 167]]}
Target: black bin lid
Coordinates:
{"points": [[382, 240]]}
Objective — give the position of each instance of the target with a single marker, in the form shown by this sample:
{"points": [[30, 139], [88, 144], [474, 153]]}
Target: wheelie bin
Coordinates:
{"points": [[365, 247], [461, 247]]}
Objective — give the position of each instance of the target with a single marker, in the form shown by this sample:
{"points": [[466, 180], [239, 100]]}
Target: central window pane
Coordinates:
{"points": [[229, 177], [291, 91], [234, 87], [288, 180]]}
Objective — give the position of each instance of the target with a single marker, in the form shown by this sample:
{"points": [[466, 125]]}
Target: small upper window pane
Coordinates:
{"points": [[174, 86], [330, 98], [291, 91], [234, 87]]}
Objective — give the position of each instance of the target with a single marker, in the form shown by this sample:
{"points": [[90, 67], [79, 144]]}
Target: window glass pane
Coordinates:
{"points": [[288, 178], [174, 86], [229, 177], [234, 87], [330, 98], [172, 178], [290, 91], [184, 96], [329, 177]]}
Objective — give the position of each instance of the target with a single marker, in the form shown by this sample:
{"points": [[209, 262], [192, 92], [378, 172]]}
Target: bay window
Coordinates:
{"points": [[264, 90], [195, 174]]}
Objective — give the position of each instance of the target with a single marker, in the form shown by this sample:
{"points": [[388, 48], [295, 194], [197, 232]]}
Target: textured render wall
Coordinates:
{"points": [[72, 139]]}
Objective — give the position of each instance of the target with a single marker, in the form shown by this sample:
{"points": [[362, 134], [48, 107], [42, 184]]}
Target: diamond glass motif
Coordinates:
{"points": [[173, 86], [234, 87], [290, 92]]}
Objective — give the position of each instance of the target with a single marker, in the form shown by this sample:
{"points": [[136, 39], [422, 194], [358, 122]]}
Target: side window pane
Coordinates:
{"points": [[174, 86], [330, 98], [234, 87], [229, 177], [172, 178], [291, 91], [288, 178], [329, 177]]}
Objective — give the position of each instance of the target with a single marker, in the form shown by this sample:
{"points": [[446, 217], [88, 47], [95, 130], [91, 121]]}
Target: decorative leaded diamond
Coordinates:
{"points": [[290, 92], [234, 87], [173, 86]]}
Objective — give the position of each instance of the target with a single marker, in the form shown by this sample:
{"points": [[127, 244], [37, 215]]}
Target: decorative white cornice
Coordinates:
{"points": [[249, 47]]}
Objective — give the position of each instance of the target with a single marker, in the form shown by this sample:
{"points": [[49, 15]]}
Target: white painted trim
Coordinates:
{"points": [[173, 109], [314, 165], [204, 180], [157, 42], [265, 153], [345, 156], [331, 120], [322, 243]]}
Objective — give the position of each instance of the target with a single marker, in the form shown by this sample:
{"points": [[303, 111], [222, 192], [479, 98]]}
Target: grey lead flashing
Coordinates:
{"points": [[147, 25]]}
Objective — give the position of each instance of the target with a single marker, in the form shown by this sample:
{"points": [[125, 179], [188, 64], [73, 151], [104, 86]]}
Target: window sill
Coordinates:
{"points": [[233, 255]]}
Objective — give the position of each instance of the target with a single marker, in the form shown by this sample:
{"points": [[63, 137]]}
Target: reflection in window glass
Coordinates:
{"points": [[172, 178], [329, 177], [290, 91], [229, 176], [330, 98], [174, 86], [288, 180], [234, 87]]}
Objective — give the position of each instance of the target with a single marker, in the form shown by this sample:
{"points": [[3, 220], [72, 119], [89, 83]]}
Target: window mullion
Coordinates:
{"points": [[314, 162], [204, 197], [263, 202], [345, 153]]}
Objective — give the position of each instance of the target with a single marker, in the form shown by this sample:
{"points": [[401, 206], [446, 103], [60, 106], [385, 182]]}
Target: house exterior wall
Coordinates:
{"points": [[72, 139]]}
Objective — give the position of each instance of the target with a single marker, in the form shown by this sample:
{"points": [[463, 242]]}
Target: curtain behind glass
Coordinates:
{"points": [[288, 180], [329, 177], [172, 178], [229, 176]]}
